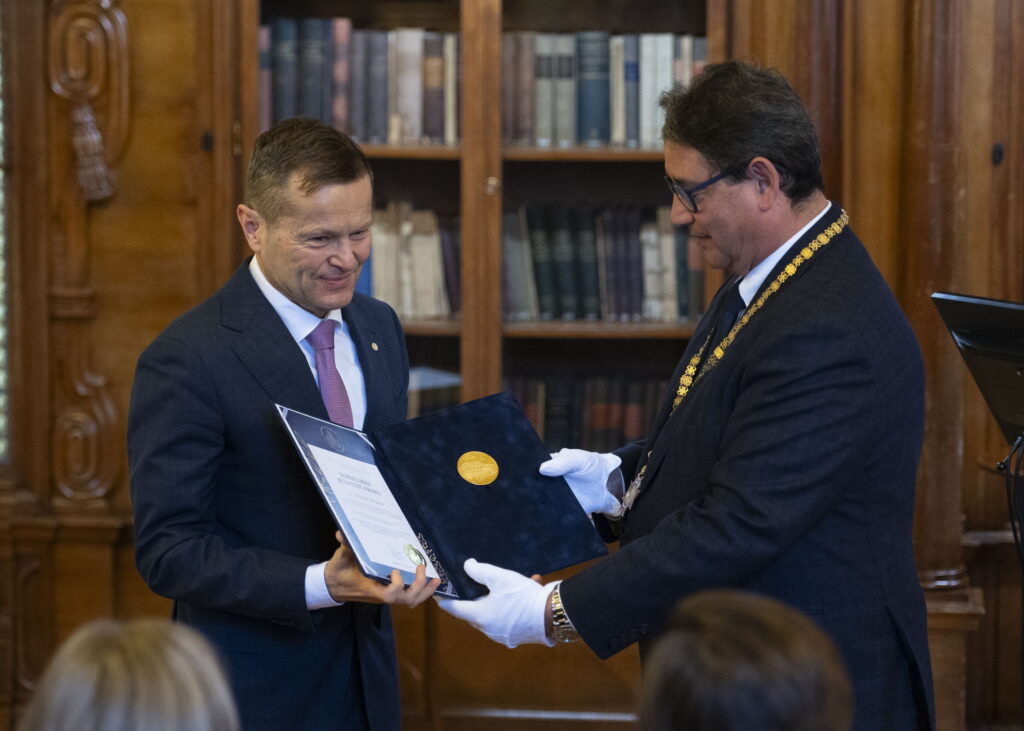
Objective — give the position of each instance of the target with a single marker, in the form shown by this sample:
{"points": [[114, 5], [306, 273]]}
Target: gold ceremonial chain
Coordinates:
{"points": [[691, 375]]}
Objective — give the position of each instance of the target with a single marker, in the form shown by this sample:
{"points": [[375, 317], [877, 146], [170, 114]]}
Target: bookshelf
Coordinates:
{"points": [[481, 175]]}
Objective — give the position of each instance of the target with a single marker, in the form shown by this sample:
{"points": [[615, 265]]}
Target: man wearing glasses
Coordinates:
{"points": [[783, 459]]}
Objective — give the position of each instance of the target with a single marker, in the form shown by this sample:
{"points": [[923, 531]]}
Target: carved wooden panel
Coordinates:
{"points": [[87, 71]]}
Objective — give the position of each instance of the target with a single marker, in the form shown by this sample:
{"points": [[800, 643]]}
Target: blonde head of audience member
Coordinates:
{"points": [[143, 674], [736, 661]]}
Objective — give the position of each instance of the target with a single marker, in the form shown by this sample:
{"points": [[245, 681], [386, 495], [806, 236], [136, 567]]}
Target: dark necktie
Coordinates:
{"points": [[728, 306], [332, 388]]}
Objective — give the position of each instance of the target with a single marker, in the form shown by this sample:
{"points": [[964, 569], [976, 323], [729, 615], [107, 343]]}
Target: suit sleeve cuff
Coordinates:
{"points": [[317, 596]]}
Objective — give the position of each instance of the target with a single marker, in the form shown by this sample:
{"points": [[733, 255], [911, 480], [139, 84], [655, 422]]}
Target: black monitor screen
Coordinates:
{"points": [[990, 336]]}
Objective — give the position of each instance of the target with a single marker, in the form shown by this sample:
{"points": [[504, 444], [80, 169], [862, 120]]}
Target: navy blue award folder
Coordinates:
{"points": [[466, 480]]}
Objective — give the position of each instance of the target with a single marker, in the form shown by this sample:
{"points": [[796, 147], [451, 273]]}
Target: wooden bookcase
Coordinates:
{"points": [[487, 176]]}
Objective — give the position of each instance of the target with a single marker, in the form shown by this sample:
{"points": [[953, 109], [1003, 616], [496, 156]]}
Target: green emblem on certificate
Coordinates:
{"points": [[414, 554], [477, 468]]}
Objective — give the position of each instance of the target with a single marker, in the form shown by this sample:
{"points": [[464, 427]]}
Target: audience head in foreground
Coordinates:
{"points": [[736, 661], [147, 674]]}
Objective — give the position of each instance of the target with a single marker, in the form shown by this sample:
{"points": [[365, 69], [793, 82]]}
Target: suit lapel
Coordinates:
{"points": [[266, 348], [367, 340], [668, 419]]}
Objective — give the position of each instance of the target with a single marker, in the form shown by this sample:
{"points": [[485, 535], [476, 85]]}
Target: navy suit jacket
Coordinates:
{"points": [[789, 469], [227, 520]]}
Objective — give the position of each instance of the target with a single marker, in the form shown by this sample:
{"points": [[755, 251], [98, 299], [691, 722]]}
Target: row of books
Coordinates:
{"points": [[401, 86], [592, 88], [396, 87], [617, 264], [598, 413], [414, 265], [568, 263]]}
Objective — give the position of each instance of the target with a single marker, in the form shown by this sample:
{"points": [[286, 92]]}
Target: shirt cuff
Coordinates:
{"points": [[317, 596]]}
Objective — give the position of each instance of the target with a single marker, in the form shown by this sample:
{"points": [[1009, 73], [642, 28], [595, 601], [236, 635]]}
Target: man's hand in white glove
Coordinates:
{"points": [[512, 614], [587, 474]]}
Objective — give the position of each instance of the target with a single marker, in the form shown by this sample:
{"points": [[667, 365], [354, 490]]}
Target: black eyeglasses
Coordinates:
{"points": [[685, 195]]}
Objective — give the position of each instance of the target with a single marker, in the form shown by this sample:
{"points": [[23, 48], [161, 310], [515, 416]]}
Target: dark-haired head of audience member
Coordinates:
{"points": [[736, 661], [123, 676]]}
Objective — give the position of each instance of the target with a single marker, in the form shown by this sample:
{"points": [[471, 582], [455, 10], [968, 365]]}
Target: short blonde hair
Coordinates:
{"points": [[143, 674]]}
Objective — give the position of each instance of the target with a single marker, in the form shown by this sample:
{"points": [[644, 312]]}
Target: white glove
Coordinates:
{"points": [[512, 614], [587, 474]]}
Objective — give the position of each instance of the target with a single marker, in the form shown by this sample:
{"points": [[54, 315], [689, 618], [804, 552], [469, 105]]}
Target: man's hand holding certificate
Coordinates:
{"points": [[347, 583]]}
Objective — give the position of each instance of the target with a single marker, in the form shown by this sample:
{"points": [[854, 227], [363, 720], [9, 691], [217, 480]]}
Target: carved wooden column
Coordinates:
{"points": [[88, 75], [931, 227]]}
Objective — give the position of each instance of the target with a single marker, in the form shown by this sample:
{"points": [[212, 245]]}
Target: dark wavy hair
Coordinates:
{"points": [[319, 152], [733, 112]]}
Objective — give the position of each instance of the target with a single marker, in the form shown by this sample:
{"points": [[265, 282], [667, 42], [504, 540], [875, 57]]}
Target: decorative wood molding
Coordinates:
{"points": [[88, 63], [87, 68]]}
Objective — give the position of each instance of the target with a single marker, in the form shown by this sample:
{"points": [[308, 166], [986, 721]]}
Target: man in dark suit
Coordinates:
{"points": [[783, 459], [227, 522]]}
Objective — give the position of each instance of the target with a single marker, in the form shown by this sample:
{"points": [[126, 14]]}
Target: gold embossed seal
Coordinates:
{"points": [[478, 468]]}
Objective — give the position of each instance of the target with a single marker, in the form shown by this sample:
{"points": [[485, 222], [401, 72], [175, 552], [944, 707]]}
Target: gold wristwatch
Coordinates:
{"points": [[561, 626]]}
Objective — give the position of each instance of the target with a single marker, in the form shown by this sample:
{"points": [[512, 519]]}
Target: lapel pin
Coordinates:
{"points": [[374, 346]]}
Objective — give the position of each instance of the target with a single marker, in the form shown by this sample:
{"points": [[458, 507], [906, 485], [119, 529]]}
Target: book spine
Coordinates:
{"points": [[377, 75], [558, 412], [449, 226], [565, 90], [285, 56], [648, 97], [609, 241], [519, 282], [653, 279], [585, 237], [508, 87], [565, 264], [409, 84], [616, 91], [631, 88], [543, 263], [593, 110], [357, 86], [341, 70], [595, 435], [327, 75], [451, 88], [544, 90], [311, 67], [633, 254], [663, 79], [635, 416], [433, 88], [526, 42]]}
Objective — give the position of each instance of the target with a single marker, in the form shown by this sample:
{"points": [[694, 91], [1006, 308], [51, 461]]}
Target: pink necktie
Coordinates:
{"points": [[332, 388]]}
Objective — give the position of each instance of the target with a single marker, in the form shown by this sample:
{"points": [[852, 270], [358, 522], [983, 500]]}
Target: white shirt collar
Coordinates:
{"points": [[756, 276]]}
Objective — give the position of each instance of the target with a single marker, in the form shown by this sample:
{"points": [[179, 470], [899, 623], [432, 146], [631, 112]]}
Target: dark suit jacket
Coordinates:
{"points": [[227, 520], [789, 469]]}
